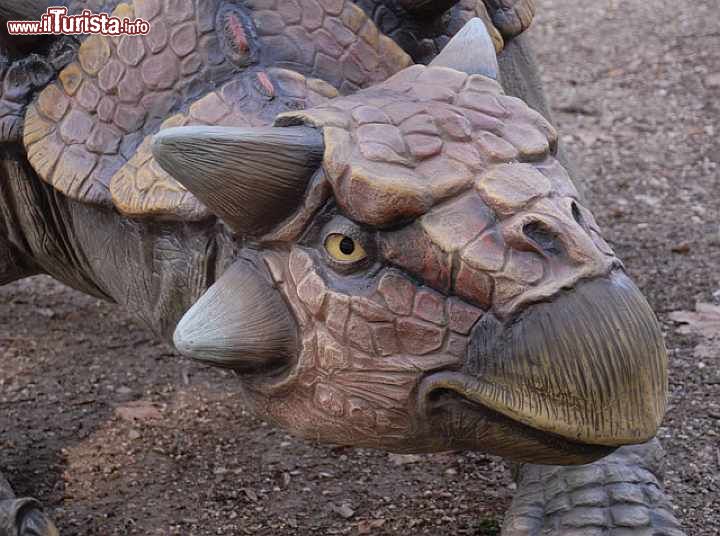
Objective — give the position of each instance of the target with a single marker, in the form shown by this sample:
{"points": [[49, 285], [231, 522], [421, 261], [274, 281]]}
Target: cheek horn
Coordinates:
{"points": [[241, 323]]}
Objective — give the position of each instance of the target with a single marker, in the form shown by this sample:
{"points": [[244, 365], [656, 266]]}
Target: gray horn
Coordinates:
{"points": [[471, 51], [252, 178]]}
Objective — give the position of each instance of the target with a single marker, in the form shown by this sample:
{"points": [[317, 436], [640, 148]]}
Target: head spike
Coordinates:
{"points": [[241, 323], [471, 51], [252, 178]]}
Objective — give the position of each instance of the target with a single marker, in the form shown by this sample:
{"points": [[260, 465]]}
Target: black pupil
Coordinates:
{"points": [[347, 246]]}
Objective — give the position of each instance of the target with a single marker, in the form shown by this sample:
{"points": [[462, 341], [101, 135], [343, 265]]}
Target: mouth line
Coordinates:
{"points": [[449, 400], [496, 398]]}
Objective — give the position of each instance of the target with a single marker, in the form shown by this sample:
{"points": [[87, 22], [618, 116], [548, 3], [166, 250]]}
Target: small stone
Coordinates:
{"points": [[713, 80], [404, 459], [140, 410], [344, 511]]}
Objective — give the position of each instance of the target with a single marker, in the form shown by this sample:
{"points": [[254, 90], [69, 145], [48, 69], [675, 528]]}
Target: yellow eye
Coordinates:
{"points": [[342, 248]]}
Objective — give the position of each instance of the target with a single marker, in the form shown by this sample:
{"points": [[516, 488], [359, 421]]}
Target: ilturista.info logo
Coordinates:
{"points": [[56, 21]]}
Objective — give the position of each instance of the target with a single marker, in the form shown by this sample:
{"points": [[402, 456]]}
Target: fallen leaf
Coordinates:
{"points": [[366, 526], [343, 511], [404, 459], [682, 247], [705, 320], [250, 494], [140, 410], [706, 351]]}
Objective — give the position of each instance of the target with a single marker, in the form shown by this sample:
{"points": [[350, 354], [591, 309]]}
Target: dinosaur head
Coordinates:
{"points": [[417, 273]]}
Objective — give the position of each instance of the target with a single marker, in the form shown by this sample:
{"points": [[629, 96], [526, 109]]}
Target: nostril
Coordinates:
{"points": [[543, 237], [577, 215]]}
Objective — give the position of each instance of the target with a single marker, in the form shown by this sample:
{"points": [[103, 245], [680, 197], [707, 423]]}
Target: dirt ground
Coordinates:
{"points": [[118, 436]]}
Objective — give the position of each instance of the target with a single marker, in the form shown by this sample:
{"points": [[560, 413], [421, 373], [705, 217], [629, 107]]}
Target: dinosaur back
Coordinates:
{"points": [[88, 133], [214, 62]]}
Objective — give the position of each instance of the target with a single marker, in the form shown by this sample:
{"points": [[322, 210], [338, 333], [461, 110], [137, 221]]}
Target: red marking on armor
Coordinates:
{"points": [[266, 84], [237, 31]]}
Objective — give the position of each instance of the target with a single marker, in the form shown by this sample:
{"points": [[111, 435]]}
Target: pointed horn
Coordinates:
{"points": [[26, 9], [252, 178], [428, 7], [471, 51], [241, 323]]}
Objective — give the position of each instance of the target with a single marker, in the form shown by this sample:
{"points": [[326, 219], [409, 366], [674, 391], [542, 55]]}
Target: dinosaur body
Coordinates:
{"points": [[390, 254], [47, 227]]}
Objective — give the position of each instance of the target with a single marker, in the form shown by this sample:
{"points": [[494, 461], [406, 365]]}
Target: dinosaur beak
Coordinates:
{"points": [[582, 374]]}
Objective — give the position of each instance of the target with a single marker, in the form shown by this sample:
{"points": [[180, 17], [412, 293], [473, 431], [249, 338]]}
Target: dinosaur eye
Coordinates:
{"points": [[345, 249]]}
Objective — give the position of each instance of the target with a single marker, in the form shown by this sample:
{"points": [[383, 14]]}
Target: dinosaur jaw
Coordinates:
{"points": [[564, 381]]}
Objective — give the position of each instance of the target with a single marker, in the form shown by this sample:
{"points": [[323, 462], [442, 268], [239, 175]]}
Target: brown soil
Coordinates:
{"points": [[118, 436]]}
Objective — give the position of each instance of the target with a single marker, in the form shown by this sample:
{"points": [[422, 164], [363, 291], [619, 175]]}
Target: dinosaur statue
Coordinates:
{"points": [[343, 203]]}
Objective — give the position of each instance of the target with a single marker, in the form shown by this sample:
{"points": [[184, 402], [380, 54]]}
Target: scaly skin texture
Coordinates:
{"points": [[621, 495], [366, 347], [83, 129], [438, 173], [421, 36]]}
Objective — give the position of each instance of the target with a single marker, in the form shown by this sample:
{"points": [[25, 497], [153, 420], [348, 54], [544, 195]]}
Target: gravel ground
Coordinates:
{"points": [[635, 86], [117, 436]]}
